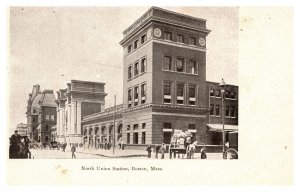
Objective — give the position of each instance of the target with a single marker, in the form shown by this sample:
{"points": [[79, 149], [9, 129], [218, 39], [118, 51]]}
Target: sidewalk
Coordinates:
{"points": [[138, 153]]}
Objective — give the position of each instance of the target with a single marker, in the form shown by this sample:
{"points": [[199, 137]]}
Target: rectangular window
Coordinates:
{"points": [[128, 127], [129, 72], [143, 93], [129, 98], [217, 110], [47, 117], [136, 43], [192, 67], [136, 138], [227, 94], [143, 137], [192, 94], [143, 65], [167, 92], [180, 93], [192, 126], [143, 125], [211, 109], [143, 39], [218, 93], [167, 126], [52, 118], [129, 48], [180, 65], [180, 38], [128, 138], [227, 111], [135, 126], [167, 65], [232, 95], [211, 92], [168, 36], [136, 95], [192, 41], [136, 69], [232, 111]]}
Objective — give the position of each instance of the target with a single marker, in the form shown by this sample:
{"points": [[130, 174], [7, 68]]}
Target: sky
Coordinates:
{"points": [[51, 46]]}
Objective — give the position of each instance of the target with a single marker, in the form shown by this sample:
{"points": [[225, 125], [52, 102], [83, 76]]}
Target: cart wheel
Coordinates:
{"points": [[231, 154]]}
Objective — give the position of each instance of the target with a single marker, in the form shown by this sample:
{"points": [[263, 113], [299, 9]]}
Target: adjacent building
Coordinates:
{"points": [[41, 114], [79, 99]]}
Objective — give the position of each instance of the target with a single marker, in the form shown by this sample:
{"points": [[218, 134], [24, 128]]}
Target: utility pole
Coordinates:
{"points": [[114, 131]]}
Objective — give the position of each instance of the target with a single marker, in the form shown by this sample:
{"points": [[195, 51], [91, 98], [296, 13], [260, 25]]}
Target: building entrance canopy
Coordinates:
{"points": [[219, 127]]}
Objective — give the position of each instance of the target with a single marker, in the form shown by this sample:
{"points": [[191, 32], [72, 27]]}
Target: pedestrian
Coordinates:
{"points": [[73, 149], [64, 147], [162, 151], [149, 151], [157, 147], [26, 143], [203, 153], [188, 152]]}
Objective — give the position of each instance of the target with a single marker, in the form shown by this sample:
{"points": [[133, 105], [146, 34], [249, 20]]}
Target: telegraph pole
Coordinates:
{"points": [[114, 131]]}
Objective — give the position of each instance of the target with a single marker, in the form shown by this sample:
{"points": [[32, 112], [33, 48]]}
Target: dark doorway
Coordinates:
{"points": [[167, 137]]}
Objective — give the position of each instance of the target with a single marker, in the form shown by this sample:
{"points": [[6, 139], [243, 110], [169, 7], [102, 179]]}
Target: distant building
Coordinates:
{"points": [[81, 98], [41, 114], [22, 129]]}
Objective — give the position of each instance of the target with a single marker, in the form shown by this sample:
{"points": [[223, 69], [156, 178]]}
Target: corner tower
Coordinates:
{"points": [[164, 77]]}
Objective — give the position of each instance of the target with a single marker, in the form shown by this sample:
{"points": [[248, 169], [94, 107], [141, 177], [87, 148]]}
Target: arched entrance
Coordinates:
{"points": [[103, 134]]}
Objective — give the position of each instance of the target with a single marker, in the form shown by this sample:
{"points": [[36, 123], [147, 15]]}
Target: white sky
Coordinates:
{"points": [[51, 46]]}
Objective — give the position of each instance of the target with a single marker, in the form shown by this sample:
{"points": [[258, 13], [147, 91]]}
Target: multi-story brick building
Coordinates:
{"points": [[164, 78], [41, 114]]}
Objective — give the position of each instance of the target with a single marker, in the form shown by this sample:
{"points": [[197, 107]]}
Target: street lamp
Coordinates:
{"points": [[222, 85]]}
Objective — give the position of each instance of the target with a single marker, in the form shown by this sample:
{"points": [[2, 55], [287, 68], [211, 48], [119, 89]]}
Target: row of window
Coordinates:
{"points": [[230, 111], [217, 93], [135, 138], [183, 90], [137, 43], [139, 67], [136, 126], [180, 38], [180, 64], [133, 100]]}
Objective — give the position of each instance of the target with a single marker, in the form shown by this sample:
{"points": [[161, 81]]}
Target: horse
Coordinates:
{"points": [[17, 150]]}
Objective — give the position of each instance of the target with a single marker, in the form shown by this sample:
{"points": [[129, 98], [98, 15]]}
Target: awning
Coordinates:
{"points": [[219, 127]]}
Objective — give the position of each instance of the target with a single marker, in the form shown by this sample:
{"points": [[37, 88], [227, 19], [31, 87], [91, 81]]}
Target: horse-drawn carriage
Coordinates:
{"points": [[181, 144]]}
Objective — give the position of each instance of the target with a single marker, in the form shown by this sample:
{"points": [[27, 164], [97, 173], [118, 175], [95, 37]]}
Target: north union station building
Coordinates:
{"points": [[164, 89]]}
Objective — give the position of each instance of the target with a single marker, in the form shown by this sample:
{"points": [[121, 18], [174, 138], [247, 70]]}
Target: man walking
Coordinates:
{"points": [[162, 151], [73, 149]]}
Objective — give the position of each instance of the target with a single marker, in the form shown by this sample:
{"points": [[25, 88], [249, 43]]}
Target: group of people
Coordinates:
{"points": [[162, 149], [19, 146], [73, 149], [158, 149]]}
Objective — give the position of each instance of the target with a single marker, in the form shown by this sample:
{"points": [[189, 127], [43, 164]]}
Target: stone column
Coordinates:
{"points": [[78, 111], [69, 125], [73, 118], [58, 121]]}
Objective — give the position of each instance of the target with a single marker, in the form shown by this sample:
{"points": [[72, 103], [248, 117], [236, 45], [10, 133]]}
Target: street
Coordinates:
{"points": [[101, 154]]}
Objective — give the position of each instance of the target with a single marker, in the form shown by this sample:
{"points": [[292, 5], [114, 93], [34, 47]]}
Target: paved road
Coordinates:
{"points": [[100, 154]]}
